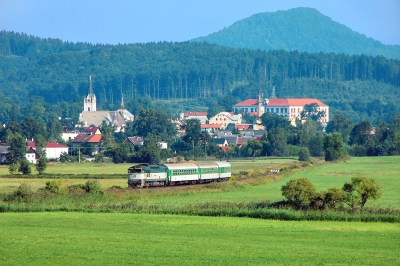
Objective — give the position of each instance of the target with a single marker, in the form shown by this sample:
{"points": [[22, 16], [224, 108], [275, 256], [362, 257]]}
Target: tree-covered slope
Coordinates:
{"points": [[47, 78], [302, 29]]}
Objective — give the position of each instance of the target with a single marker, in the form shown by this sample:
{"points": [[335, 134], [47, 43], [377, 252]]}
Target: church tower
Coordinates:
{"points": [[89, 103]]}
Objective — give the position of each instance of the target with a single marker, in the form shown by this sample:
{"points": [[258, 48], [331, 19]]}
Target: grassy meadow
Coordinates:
{"points": [[119, 239], [135, 226]]}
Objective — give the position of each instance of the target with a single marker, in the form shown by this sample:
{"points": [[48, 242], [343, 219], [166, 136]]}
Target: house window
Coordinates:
{"points": [[277, 110], [268, 110], [251, 110]]}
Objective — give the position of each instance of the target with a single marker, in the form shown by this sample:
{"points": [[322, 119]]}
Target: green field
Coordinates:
{"points": [[121, 239], [385, 170], [82, 238]]}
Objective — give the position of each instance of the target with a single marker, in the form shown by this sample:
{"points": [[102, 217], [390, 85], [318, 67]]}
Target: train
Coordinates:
{"points": [[149, 175]]}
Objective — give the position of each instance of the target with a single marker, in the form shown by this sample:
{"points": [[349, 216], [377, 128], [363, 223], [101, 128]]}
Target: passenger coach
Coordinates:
{"points": [[146, 175]]}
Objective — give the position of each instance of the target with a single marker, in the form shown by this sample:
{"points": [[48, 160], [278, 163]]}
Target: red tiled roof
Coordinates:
{"points": [[55, 145], [49, 145], [242, 126], [225, 148], [95, 138], [248, 102], [80, 138], [282, 102], [195, 114], [294, 102], [211, 126]]}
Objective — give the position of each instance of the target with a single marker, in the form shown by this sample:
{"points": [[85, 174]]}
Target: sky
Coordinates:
{"points": [[141, 21]]}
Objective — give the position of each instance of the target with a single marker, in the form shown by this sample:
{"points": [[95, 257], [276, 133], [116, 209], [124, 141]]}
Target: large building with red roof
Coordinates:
{"points": [[288, 107]]}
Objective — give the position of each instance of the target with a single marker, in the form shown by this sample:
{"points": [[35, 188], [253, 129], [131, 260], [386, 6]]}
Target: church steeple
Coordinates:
{"points": [[273, 93], [122, 103], [90, 103]]}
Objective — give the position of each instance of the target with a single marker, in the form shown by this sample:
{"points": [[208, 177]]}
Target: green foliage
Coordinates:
{"points": [[17, 149], [64, 157], [304, 155], [290, 30], [154, 123], [310, 111], [12, 168], [299, 191], [54, 186], [277, 145], [179, 77], [360, 190], [22, 194], [41, 165], [24, 167], [93, 187], [193, 131], [341, 124], [333, 147]]}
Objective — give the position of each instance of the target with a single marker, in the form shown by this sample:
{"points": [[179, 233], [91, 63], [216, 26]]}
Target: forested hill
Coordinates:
{"points": [[47, 78], [302, 29]]}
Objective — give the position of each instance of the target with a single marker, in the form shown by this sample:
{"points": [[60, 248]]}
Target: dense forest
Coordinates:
{"points": [[302, 29], [47, 78]]}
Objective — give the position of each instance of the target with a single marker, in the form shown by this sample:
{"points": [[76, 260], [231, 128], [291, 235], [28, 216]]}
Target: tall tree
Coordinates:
{"points": [[17, 149], [342, 125], [155, 123], [277, 142], [333, 147]]}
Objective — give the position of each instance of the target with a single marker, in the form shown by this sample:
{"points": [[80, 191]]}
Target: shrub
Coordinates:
{"points": [[304, 155], [54, 186], [41, 165], [24, 167], [99, 158], [93, 187], [13, 168], [23, 193], [299, 191]]}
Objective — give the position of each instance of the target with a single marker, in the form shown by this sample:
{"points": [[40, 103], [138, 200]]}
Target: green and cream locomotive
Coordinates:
{"points": [[147, 175]]}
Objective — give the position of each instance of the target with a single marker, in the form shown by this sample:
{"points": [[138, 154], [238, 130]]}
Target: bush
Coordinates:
{"points": [[24, 167], [23, 193], [99, 158], [13, 168], [93, 187], [54, 186], [304, 155], [299, 191], [41, 165]]}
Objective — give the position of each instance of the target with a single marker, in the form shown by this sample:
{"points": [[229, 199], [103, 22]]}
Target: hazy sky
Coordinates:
{"points": [[132, 21]]}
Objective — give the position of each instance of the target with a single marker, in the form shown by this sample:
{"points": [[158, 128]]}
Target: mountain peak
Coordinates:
{"points": [[303, 29]]}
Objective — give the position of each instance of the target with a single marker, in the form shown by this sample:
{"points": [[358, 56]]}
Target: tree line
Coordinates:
{"points": [[48, 77]]}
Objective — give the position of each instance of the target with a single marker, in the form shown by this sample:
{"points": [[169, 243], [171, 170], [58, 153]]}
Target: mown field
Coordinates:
{"points": [[121, 239], [90, 237]]}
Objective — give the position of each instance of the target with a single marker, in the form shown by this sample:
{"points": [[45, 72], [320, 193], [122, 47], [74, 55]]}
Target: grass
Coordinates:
{"points": [[119, 239]]}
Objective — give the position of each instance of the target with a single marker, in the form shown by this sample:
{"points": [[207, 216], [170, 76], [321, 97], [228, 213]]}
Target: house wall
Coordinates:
{"points": [[54, 153]]}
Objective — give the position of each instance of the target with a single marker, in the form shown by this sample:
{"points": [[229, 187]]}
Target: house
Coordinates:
{"points": [[31, 155], [210, 127], [53, 150], [70, 133], [134, 140], [225, 118], [202, 116], [3, 154], [221, 142], [84, 139]]}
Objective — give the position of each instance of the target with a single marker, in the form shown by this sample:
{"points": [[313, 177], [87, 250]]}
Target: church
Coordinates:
{"points": [[90, 116]]}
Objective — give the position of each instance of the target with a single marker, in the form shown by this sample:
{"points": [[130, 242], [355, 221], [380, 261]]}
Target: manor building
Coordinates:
{"points": [[288, 107]]}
